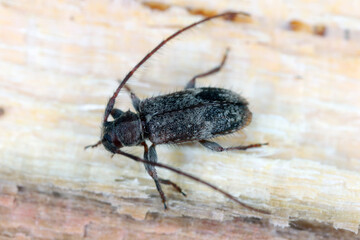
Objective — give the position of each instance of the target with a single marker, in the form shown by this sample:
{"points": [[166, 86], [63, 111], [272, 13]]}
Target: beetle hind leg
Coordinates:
{"points": [[191, 83], [218, 148]]}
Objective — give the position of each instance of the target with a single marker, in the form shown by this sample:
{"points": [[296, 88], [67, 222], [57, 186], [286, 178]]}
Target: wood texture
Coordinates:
{"points": [[297, 64]]}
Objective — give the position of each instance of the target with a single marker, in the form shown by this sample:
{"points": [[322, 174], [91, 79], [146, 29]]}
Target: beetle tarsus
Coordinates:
{"points": [[93, 146], [174, 185]]}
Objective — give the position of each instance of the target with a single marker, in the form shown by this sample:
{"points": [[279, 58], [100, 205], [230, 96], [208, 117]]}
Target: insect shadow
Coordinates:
{"points": [[194, 114]]}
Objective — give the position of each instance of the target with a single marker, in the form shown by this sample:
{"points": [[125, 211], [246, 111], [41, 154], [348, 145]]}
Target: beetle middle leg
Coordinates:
{"points": [[216, 147], [151, 156], [191, 83]]}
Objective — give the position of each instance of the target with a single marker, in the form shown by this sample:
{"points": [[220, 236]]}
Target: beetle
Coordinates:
{"points": [[194, 114]]}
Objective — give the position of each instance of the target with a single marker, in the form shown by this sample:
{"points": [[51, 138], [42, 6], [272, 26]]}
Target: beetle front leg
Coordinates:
{"points": [[94, 145], [151, 156], [134, 99], [191, 83], [216, 147], [115, 113]]}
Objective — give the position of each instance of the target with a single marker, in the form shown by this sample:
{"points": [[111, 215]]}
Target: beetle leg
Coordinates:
{"points": [[168, 182], [151, 156], [115, 113], [135, 100], [191, 83], [94, 145], [175, 170], [216, 147]]}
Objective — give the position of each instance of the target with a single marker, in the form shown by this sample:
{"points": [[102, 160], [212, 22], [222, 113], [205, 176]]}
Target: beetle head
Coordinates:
{"points": [[124, 131]]}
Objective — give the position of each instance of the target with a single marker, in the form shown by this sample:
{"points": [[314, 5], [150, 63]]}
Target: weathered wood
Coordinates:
{"points": [[297, 65]]}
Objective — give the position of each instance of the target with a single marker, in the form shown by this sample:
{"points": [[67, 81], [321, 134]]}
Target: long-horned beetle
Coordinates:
{"points": [[194, 114]]}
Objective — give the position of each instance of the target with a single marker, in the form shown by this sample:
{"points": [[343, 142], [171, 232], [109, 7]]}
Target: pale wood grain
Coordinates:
{"points": [[59, 63]]}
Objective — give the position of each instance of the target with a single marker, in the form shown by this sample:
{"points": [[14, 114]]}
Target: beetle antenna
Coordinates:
{"points": [[111, 102], [226, 194]]}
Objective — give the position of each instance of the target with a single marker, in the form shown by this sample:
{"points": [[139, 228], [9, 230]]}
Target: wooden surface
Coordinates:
{"points": [[297, 64]]}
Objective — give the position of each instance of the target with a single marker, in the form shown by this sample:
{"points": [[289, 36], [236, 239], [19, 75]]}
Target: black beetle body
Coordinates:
{"points": [[191, 115], [194, 114]]}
